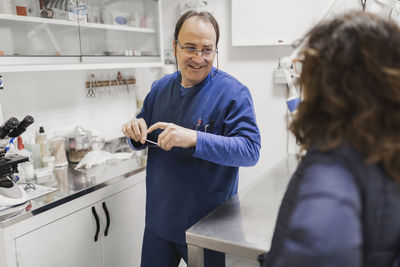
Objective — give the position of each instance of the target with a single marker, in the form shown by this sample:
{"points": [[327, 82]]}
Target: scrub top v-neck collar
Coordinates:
{"points": [[184, 90]]}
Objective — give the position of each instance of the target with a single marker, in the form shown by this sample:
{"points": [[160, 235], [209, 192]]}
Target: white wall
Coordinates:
{"points": [[57, 100]]}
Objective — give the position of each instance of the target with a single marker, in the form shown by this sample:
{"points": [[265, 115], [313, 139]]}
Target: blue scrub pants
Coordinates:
{"points": [[163, 253]]}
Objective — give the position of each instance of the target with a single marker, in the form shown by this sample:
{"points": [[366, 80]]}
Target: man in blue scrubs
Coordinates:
{"points": [[204, 124]]}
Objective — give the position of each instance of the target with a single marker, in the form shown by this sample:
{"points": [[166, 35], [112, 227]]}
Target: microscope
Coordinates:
{"points": [[10, 193]]}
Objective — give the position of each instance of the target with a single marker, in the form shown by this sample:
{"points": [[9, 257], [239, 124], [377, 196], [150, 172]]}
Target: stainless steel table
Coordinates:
{"points": [[243, 226]]}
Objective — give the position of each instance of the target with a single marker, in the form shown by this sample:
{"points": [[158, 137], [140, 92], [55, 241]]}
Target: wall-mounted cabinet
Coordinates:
{"points": [[80, 34]]}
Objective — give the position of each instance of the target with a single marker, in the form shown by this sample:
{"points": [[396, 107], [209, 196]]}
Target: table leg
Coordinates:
{"points": [[195, 256]]}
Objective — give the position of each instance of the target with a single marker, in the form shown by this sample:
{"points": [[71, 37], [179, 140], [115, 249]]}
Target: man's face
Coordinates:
{"points": [[198, 34]]}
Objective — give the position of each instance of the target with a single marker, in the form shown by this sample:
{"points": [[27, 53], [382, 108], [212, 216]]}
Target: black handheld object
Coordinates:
{"points": [[28, 120], [8, 126]]}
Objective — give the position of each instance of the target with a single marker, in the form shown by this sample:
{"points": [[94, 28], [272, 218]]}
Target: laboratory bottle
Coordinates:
{"points": [[41, 139]]}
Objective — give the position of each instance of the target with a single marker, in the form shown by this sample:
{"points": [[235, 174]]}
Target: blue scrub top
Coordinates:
{"points": [[183, 185]]}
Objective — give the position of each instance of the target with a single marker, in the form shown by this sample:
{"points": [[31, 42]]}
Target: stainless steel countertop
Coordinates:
{"points": [[243, 226], [72, 184]]}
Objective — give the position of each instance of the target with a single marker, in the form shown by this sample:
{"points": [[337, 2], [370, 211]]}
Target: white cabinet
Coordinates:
{"points": [[65, 236], [123, 244], [63, 243], [80, 34]]}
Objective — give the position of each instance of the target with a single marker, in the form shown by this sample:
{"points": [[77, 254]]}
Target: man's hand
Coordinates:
{"points": [[136, 129], [174, 135]]}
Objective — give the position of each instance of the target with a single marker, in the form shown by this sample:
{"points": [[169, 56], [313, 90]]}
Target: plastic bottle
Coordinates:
{"points": [[25, 169], [7, 7], [34, 150], [41, 139]]}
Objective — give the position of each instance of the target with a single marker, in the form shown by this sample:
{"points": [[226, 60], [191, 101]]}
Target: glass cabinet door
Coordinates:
{"points": [[38, 28], [121, 30], [49, 32]]}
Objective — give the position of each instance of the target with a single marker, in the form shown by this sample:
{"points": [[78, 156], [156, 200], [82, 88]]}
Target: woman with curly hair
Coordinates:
{"points": [[342, 205]]}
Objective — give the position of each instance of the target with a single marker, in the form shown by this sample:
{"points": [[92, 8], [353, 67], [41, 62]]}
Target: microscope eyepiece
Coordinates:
{"points": [[28, 120], [8, 126]]}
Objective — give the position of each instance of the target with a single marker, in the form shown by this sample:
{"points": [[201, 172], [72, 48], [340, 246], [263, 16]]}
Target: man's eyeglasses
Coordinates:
{"points": [[189, 50]]}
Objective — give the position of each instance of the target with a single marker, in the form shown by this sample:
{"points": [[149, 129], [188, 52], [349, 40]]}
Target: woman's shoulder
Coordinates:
{"points": [[330, 173]]}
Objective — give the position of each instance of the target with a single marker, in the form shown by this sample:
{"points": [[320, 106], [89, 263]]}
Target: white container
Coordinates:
{"points": [[7, 7], [44, 175], [36, 155], [57, 145], [48, 162], [77, 12], [26, 171], [22, 7]]}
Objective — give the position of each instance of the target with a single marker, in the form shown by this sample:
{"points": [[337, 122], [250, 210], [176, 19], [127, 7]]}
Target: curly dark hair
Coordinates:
{"points": [[351, 81]]}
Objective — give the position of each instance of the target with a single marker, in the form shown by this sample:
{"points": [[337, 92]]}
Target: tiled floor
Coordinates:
{"points": [[232, 261]]}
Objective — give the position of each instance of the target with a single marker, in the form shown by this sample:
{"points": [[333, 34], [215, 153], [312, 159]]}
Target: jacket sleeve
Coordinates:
{"points": [[240, 143], [325, 228]]}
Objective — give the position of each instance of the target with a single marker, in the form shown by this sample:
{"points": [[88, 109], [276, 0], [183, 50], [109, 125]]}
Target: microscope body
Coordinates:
{"points": [[10, 193]]}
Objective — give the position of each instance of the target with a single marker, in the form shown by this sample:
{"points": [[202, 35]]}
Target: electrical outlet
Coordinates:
{"points": [[280, 76]]}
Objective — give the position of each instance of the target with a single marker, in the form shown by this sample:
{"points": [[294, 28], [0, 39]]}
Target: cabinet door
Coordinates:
{"points": [[64, 243], [123, 244], [31, 29], [121, 31]]}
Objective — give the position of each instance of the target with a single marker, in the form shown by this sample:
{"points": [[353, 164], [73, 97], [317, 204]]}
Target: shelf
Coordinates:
{"points": [[78, 66], [75, 23], [261, 42], [38, 20], [115, 27]]}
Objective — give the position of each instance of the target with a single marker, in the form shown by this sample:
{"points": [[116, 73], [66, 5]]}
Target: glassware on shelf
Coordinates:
{"points": [[134, 20], [21, 7], [93, 13], [7, 7], [29, 8], [77, 10], [117, 31]]}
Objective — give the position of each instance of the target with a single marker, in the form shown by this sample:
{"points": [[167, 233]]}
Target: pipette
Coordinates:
{"points": [[151, 142]]}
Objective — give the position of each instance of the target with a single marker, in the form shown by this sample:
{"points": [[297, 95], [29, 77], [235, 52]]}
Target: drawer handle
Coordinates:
{"points": [[108, 219], [96, 217]]}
